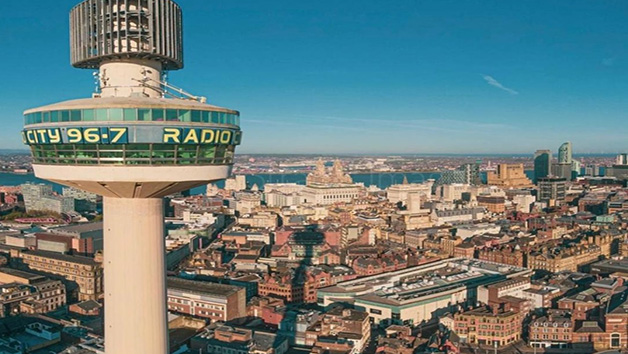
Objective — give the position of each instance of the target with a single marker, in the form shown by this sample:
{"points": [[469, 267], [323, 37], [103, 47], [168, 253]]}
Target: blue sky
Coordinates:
{"points": [[369, 76]]}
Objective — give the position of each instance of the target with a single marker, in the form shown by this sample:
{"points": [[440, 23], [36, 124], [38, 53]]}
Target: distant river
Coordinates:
{"points": [[381, 180]]}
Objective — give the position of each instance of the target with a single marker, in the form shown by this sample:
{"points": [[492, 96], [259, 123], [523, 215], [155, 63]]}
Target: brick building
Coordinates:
{"points": [[216, 302], [83, 271], [506, 254], [340, 329], [485, 325], [554, 330]]}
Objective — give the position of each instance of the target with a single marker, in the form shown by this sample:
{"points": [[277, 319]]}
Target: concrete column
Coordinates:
{"points": [[135, 283], [123, 78]]}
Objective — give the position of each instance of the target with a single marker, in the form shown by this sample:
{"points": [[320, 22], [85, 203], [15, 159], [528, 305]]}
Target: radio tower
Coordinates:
{"points": [[135, 141]]}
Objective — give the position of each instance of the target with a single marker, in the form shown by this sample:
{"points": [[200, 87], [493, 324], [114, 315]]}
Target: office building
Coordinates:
{"points": [[85, 272], [134, 141], [216, 302], [508, 176], [542, 164], [565, 165], [40, 197], [563, 170], [468, 173], [81, 239], [564, 153], [83, 201], [472, 172], [552, 190], [620, 169]]}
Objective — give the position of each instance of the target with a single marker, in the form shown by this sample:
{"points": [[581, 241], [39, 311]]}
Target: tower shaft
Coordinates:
{"points": [[135, 286]]}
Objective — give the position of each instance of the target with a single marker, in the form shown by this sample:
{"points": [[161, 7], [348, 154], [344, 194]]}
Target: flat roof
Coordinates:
{"points": [[62, 257], [86, 227], [21, 274], [202, 287], [426, 280]]}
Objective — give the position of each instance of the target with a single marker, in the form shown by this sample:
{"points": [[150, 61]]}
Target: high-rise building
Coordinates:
{"points": [[40, 197], [83, 200], [592, 170], [135, 141], [565, 165], [562, 170], [620, 168], [468, 173], [576, 167], [564, 153], [552, 189], [542, 164], [472, 172]]}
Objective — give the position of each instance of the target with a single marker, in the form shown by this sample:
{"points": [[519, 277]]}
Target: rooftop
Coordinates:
{"points": [[201, 287], [22, 274], [62, 257], [79, 228], [426, 280]]}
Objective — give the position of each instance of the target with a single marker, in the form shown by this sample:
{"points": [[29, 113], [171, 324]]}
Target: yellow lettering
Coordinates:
{"points": [[41, 135], [225, 137], [191, 137], [24, 137], [119, 134], [54, 136], [171, 135], [91, 135], [207, 136], [31, 137], [74, 135]]}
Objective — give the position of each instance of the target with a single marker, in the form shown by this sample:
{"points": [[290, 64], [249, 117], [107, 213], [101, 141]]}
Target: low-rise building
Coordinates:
{"points": [[490, 294], [554, 330], [216, 302], [340, 329], [231, 340], [489, 326], [83, 271]]}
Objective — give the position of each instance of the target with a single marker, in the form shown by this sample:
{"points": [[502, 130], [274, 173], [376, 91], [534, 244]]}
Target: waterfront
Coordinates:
{"points": [[381, 180]]}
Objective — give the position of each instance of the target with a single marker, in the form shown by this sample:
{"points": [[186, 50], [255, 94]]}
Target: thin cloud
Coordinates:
{"points": [[491, 81]]}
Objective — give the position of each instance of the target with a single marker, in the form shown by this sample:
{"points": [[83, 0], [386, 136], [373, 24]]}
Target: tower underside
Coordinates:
{"points": [[132, 182]]}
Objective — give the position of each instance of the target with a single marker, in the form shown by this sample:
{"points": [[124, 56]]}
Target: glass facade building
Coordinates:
{"points": [[542, 164]]}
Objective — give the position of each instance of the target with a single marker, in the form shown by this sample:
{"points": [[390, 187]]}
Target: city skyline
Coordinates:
{"points": [[369, 79]]}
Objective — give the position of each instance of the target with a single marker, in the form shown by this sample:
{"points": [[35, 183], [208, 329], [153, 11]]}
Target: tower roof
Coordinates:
{"points": [[130, 102], [106, 30]]}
